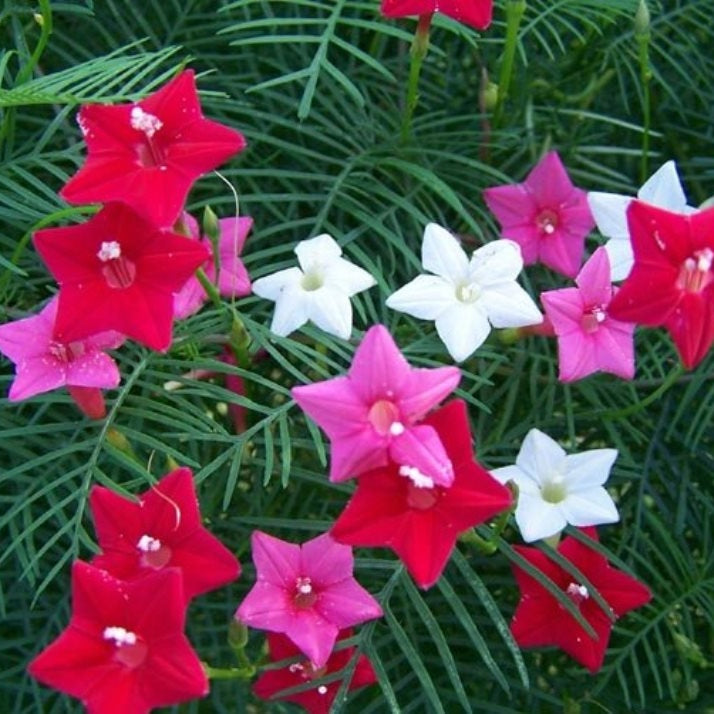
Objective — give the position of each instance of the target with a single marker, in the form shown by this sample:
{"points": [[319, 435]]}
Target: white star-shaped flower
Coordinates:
{"points": [[663, 189], [465, 297], [555, 489], [319, 290]]}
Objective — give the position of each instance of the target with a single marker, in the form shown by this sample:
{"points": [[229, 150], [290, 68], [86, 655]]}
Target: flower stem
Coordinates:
{"points": [[420, 46], [514, 14], [209, 287], [671, 379], [229, 672], [487, 547], [642, 35]]}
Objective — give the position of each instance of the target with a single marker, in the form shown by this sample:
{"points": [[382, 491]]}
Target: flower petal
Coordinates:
{"points": [[330, 309], [463, 328], [537, 518], [442, 254], [425, 297], [664, 189], [540, 456], [589, 508]]}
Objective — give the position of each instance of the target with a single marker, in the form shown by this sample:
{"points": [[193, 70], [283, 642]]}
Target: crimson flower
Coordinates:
{"points": [[672, 280], [148, 153], [476, 13], [319, 699], [546, 215], [399, 507], [541, 620], [124, 651], [305, 591], [161, 530], [117, 272]]}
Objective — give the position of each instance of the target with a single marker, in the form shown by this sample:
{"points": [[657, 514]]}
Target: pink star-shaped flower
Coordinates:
{"points": [[124, 651], [318, 700], [589, 339], [672, 280], [161, 530], [148, 153], [306, 592], [117, 272], [476, 13], [546, 215], [372, 414], [540, 620], [233, 278], [399, 507], [43, 363]]}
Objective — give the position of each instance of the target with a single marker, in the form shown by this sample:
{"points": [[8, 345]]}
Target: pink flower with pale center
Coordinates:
{"points": [[148, 154], [589, 338], [546, 215], [372, 414], [43, 363], [307, 592], [233, 278]]}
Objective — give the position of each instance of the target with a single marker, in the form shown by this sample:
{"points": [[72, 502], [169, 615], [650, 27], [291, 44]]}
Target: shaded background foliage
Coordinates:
{"points": [[317, 87]]}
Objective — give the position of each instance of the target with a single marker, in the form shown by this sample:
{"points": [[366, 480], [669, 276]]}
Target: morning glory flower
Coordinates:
{"points": [[545, 214], [307, 592], [319, 290], [373, 413], [540, 620], [589, 338], [466, 296], [662, 189], [556, 489]]}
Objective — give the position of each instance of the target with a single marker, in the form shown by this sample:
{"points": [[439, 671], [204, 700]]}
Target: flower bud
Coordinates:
{"points": [[642, 19]]}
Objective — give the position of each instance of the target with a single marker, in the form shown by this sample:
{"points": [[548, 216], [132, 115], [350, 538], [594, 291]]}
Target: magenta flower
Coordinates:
{"points": [[546, 215], [43, 363], [306, 592], [371, 415], [149, 153], [589, 339], [233, 278]]}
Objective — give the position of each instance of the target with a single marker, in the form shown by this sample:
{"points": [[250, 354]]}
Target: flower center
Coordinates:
{"points": [[547, 221], [143, 121], [154, 554], [593, 318], [554, 491], [118, 270], [305, 595], [577, 593], [420, 498], [419, 479], [467, 292], [696, 272], [130, 649], [384, 417], [312, 280], [149, 153], [66, 352]]}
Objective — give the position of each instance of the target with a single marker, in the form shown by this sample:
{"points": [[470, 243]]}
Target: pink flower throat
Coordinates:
{"points": [[547, 221], [305, 595]]}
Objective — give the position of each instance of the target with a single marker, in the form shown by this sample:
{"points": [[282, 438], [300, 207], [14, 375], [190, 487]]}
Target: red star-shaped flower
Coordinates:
{"points": [[672, 280], [161, 530], [399, 507], [148, 153], [124, 651], [317, 700], [540, 620], [118, 272], [476, 13]]}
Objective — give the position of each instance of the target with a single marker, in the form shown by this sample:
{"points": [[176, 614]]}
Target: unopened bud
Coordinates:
{"points": [[642, 19], [490, 96], [39, 18], [210, 225], [237, 635]]}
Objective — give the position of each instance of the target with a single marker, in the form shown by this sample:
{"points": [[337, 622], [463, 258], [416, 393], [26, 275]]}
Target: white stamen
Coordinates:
{"points": [[304, 586], [419, 479], [120, 636], [579, 592], [143, 121], [599, 314], [322, 689], [549, 228], [704, 259], [110, 250], [147, 544], [295, 667], [396, 428]]}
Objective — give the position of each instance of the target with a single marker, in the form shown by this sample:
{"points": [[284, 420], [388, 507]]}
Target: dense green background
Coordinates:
{"points": [[317, 87]]}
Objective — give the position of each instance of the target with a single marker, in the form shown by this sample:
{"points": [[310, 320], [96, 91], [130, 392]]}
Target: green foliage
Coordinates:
{"points": [[318, 86]]}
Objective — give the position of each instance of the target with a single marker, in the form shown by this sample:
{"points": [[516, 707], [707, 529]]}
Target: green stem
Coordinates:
{"points": [[643, 42], [488, 547], [420, 46], [229, 672], [671, 379], [514, 14], [209, 287]]}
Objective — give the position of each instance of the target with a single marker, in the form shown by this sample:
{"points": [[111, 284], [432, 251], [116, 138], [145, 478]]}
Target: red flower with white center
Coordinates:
{"points": [[161, 530], [672, 280], [124, 651], [401, 508], [476, 13], [540, 620], [319, 699], [117, 272], [546, 215], [148, 153]]}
